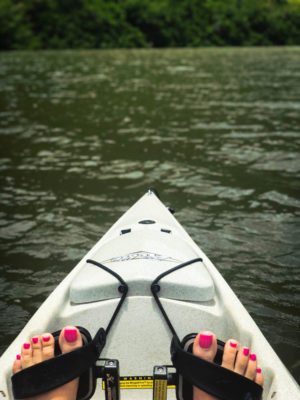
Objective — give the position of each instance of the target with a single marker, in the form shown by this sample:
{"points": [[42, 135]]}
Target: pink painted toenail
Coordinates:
{"points": [[253, 357], [46, 338], [26, 346], [18, 357], [232, 344], [35, 339], [205, 341], [258, 370], [70, 335], [246, 351]]}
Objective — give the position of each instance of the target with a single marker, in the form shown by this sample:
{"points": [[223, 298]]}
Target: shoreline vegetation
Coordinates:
{"points": [[101, 24]]}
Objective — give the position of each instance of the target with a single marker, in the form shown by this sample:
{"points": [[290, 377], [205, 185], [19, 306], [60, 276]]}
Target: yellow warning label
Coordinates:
{"points": [[136, 382], [160, 389]]}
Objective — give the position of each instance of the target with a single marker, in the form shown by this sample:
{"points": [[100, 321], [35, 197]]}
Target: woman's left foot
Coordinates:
{"points": [[41, 348], [236, 359]]}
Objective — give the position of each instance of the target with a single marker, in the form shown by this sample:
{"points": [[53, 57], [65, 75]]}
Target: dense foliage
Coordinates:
{"points": [[57, 24]]}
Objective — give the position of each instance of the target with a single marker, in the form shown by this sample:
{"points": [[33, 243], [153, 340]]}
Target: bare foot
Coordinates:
{"points": [[237, 360], [41, 348]]}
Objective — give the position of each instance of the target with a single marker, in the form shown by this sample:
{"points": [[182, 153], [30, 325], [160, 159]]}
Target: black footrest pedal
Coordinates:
{"points": [[111, 379]]}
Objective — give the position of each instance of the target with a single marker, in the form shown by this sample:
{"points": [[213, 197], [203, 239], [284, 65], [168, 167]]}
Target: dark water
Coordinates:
{"points": [[83, 134]]}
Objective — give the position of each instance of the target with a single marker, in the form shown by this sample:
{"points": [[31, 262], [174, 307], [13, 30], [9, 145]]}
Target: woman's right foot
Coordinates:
{"points": [[41, 348], [235, 359]]}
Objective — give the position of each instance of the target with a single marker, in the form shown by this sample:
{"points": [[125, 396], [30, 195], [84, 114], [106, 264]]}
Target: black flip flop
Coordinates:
{"points": [[63, 368], [209, 377]]}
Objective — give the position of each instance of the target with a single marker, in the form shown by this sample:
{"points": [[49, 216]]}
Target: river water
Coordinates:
{"points": [[216, 131]]}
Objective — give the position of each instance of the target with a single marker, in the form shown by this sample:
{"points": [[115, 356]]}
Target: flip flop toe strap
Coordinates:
{"points": [[55, 372], [212, 378]]}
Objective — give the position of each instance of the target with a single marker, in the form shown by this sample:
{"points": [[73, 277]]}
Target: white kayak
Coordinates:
{"points": [[144, 243]]}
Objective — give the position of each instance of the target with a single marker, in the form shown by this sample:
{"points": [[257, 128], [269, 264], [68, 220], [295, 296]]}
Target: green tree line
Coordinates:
{"points": [[61, 24]]}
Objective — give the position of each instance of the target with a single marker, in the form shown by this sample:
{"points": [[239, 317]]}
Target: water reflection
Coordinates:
{"points": [[84, 133]]}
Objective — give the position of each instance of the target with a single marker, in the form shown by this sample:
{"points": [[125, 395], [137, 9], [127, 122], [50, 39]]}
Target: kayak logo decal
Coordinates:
{"points": [[141, 255]]}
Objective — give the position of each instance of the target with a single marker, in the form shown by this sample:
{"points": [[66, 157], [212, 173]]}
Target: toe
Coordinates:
{"points": [[17, 366], [259, 378], [242, 360], [47, 343], [251, 367], [69, 339], [205, 345], [26, 355], [229, 355], [36, 344]]}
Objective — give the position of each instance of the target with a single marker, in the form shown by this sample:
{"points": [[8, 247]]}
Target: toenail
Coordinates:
{"points": [[252, 357], [26, 346], [46, 338], [70, 335], [35, 339], [232, 344], [246, 351], [258, 370], [18, 357], [205, 341]]}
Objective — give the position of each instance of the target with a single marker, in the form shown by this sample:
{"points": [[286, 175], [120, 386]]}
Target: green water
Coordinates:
{"points": [[84, 133]]}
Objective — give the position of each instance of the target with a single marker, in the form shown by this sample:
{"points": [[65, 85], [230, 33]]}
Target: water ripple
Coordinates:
{"points": [[84, 133]]}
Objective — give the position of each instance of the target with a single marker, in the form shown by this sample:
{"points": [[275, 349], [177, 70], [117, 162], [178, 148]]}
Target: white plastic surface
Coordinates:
{"points": [[139, 257]]}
